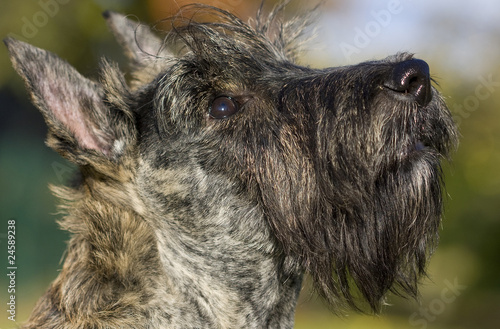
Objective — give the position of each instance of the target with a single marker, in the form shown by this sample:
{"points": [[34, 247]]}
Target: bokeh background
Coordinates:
{"points": [[459, 39]]}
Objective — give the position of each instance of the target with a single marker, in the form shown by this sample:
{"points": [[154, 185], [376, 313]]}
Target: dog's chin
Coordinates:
{"points": [[411, 151], [417, 149], [416, 156], [419, 146]]}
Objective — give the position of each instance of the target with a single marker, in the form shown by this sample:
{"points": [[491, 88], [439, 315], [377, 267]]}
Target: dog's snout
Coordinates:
{"points": [[412, 79]]}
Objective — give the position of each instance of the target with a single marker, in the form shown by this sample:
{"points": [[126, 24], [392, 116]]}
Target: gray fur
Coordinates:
{"points": [[186, 217]]}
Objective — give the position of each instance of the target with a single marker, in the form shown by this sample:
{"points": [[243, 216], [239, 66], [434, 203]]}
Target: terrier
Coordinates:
{"points": [[223, 171]]}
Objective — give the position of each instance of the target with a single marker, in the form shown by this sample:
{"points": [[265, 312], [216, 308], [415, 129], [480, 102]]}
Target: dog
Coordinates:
{"points": [[223, 171]]}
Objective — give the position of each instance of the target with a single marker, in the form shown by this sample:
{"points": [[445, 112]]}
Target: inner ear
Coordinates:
{"points": [[79, 120], [78, 107]]}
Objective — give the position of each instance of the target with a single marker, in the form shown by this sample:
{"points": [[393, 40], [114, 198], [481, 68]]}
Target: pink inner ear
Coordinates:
{"points": [[66, 105]]}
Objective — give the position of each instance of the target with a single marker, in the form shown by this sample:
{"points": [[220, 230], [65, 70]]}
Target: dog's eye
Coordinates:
{"points": [[223, 107]]}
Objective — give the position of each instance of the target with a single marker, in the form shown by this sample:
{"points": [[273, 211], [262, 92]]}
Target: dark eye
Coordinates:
{"points": [[223, 107]]}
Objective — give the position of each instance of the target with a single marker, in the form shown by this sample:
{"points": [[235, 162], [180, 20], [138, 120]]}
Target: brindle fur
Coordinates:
{"points": [[181, 220]]}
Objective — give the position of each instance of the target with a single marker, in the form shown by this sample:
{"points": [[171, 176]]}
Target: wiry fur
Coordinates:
{"points": [[186, 221]]}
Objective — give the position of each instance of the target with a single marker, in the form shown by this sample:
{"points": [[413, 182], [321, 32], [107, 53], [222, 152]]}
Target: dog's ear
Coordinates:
{"points": [[146, 51], [83, 125], [138, 41]]}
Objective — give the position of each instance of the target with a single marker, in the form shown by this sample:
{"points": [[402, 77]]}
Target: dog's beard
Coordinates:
{"points": [[361, 218]]}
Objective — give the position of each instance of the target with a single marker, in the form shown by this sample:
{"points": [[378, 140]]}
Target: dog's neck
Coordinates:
{"points": [[222, 282], [220, 263], [155, 270]]}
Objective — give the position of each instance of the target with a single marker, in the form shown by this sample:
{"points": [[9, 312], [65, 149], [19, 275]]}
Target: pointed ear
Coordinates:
{"points": [[141, 45], [82, 126]]}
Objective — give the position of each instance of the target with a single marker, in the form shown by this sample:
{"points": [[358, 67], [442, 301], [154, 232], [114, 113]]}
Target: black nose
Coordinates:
{"points": [[411, 79]]}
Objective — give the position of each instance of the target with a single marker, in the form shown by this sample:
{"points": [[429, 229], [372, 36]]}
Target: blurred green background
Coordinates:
{"points": [[460, 40]]}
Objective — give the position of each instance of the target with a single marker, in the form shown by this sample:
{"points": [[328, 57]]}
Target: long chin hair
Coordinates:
{"points": [[360, 243], [360, 226]]}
